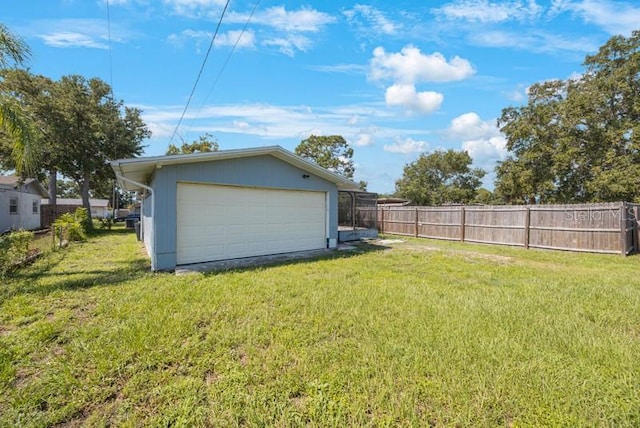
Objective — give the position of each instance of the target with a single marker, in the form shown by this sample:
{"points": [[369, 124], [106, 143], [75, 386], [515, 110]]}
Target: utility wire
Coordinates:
{"points": [[115, 198], [110, 48], [204, 62], [233, 49]]}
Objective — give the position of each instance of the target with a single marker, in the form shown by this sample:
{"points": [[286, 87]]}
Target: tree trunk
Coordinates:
{"points": [[53, 188], [84, 192]]}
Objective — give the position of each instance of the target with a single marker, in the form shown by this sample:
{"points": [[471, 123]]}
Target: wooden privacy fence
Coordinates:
{"points": [[598, 228]]}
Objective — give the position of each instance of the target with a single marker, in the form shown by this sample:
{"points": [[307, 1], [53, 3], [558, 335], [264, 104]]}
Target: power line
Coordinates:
{"points": [[204, 62], [224, 65], [235, 45], [115, 151], [110, 48]]}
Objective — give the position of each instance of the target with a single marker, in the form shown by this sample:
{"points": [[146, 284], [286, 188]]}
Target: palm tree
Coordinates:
{"points": [[14, 51]]}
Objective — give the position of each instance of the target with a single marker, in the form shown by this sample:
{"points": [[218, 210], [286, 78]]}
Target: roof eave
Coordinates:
{"points": [[146, 166]]}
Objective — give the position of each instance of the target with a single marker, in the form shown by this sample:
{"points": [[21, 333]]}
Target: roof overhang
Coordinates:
{"points": [[134, 174]]}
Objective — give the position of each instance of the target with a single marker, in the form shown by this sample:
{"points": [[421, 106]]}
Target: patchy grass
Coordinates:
{"points": [[417, 333]]}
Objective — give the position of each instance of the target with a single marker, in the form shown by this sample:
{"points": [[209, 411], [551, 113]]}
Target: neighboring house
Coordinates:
{"points": [[99, 208], [232, 204], [20, 203]]}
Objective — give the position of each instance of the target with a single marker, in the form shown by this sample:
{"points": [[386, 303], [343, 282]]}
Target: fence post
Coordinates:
{"points": [[527, 225], [381, 219], [416, 234], [463, 216], [623, 228]]}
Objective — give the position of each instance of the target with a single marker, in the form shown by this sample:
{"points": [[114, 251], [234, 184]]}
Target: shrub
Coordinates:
{"points": [[72, 227], [106, 223], [14, 248]]}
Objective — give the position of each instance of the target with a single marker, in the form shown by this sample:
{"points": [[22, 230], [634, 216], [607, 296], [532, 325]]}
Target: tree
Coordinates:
{"points": [[487, 197], [93, 129], [67, 189], [331, 152], [578, 140], [442, 177], [14, 51], [206, 143], [33, 96]]}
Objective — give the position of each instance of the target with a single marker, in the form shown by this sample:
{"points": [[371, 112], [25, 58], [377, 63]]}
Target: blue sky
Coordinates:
{"points": [[395, 78]]}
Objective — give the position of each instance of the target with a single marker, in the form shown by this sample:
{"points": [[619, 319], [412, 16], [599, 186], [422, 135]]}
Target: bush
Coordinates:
{"points": [[106, 223], [72, 227], [14, 248]]}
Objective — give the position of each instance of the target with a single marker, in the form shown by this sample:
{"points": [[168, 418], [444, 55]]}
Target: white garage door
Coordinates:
{"points": [[226, 222]]}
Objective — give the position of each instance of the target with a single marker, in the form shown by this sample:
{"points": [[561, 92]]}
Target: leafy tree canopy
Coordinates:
{"points": [[578, 140], [13, 121], [80, 126], [206, 143], [442, 177], [329, 151]]}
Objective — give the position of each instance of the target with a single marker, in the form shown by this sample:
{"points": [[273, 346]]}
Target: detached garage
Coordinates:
{"points": [[232, 204]]}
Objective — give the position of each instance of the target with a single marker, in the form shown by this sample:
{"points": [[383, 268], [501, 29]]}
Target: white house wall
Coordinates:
{"points": [[25, 218]]}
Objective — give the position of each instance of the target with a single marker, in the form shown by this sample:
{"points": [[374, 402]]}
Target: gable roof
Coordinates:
{"points": [[14, 182], [139, 170]]}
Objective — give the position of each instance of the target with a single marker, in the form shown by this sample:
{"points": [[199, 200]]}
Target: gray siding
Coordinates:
{"points": [[256, 171]]}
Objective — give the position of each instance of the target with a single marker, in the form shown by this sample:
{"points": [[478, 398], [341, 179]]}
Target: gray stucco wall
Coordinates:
{"points": [[257, 171]]}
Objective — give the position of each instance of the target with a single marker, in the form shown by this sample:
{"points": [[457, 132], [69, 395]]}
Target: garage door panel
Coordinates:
{"points": [[223, 222]]}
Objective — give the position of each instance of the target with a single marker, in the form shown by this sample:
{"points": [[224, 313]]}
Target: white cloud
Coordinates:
{"points": [[286, 28], [411, 66], [240, 124], [193, 8], [67, 39], [273, 121], [486, 152], [302, 20], [363, 140], [406, 96], [375, 21], [290, 44], [245, 39], [406, 146], [534, 41], [159, 129], [484, 11], [78, 33], [469, 126], [614, 17], [340, 68], [518, 94], [482, 139]]}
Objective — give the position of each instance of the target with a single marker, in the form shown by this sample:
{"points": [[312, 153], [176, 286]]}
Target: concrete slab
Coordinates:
{"points": [[248, 262]]}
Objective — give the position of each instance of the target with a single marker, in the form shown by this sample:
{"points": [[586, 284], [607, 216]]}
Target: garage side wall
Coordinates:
{"points": [[257, 171], [148, 234]]}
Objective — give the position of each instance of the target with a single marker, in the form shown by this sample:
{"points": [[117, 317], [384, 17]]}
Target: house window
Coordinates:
{"points": [[34, 207], [13, 205]]}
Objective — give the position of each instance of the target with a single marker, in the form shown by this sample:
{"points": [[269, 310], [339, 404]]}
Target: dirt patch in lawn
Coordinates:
{"points": [[468, 255]]}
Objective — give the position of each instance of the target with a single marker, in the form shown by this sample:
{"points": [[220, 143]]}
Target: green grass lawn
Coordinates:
{"points": [[412, 334]]}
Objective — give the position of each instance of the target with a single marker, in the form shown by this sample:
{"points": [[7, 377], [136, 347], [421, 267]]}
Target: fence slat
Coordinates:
{"points": [[599, 228]]}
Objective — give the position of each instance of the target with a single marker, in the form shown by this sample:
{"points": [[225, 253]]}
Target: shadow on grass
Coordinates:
{"points": [[42, 278], [116, 230], [359, 249], [29, 282]]}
